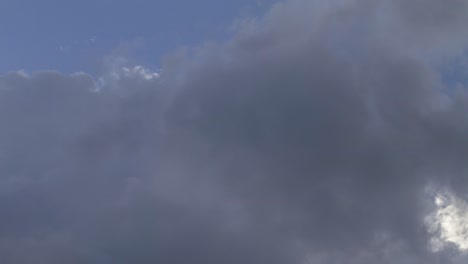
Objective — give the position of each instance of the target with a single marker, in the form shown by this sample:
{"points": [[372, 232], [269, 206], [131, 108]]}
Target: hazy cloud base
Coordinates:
{"points": [[319, 133]]}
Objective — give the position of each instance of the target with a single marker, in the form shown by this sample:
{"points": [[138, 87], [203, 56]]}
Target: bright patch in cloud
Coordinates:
{"points": [[140, 71], [449, 222], [116, 74]]}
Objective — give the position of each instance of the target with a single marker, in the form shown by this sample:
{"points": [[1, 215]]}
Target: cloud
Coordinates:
{"points": [[311, 136], [450, 220]]}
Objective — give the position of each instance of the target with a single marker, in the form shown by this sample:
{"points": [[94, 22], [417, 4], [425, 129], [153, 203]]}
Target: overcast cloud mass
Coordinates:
{"points": [[324, 132]]}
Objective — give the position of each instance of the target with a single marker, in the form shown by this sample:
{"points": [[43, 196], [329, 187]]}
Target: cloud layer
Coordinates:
{"points": [[319, 133]]}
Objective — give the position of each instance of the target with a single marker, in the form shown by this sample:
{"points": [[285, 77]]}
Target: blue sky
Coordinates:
{"points": [[74, 35]]}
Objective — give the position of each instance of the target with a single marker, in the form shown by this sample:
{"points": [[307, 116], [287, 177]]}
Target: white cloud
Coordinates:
{"points": [[140, 71], [117, 73], [449, 222]]}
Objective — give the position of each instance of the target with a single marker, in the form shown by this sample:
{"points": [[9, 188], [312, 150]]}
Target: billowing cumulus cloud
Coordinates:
{"points": [[319, 133]]}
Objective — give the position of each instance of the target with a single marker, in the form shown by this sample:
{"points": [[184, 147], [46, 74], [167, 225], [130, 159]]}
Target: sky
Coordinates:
{"points": [[294, 131], [75, 35]]}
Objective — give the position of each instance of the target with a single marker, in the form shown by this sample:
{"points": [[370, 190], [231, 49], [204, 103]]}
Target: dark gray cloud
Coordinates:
{"points": [[311, 136]]}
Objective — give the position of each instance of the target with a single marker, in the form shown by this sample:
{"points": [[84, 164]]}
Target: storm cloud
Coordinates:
{"points": [[322, 132]]}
